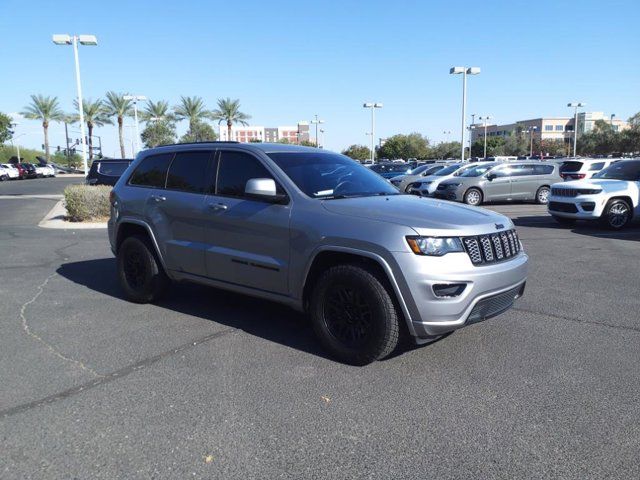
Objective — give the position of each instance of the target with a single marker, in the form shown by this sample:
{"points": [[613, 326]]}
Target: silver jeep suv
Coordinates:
{"points": [[316, 231]]}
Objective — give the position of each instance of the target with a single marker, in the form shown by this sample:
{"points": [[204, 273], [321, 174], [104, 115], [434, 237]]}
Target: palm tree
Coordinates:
{"points": [[46, 109], [192, 109], [117, 106], [95, 115], [229, 111], [156, 111]]}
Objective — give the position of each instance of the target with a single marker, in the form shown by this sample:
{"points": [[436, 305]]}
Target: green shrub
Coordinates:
{"points": [[27, 154], [86, 203]]}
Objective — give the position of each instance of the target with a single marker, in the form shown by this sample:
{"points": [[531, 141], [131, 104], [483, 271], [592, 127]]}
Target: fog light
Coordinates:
{"points": [[448, 290], [588, 206]]}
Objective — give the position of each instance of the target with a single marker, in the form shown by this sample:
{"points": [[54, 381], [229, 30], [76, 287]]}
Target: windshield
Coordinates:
{"points": [[447, 170], [477, 170], [629, 170], [419, 170], [329, 175]]}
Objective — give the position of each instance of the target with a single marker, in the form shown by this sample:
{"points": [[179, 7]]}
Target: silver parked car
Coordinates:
{"points": [[497, 181], [402, 182], [316, 231]]}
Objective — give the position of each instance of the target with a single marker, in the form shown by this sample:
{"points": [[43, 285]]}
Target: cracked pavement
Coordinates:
{"points": [[209, 384]]}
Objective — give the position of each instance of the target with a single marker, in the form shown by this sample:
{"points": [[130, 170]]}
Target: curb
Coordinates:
{"points": [[56, 219]]}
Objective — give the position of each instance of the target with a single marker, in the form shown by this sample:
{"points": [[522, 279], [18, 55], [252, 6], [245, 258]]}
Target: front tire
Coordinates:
{"points": [[473, 197], [542, 195], [617, 214], [139, 271], [353, 315]]}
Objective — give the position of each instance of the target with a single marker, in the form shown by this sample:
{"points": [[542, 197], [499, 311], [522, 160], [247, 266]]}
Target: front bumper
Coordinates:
{"points": [[582, 207], [489, 290], [452, 194]]}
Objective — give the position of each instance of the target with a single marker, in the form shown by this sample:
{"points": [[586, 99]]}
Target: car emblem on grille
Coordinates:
{"points": [[499, 226]]}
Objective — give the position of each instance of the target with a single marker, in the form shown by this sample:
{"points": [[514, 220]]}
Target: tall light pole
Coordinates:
{"points": [[484, 120], [321, 145], [136, 99], [90, 40], [373, 106], [611, 119], [532, 131], [317, 122], [575, 106], [464, 71]]}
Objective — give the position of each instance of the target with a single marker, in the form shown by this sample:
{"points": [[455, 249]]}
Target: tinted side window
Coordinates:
{"points": [[188, 171], [235, 169], [543, 169], [521, 170], [596, 166], [152, 171]]}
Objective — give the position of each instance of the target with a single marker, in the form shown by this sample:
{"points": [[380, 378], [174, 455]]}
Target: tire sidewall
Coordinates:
{"points": [[605, 217], [381, 324], [149, 289], [466, 197], [540, 202]]}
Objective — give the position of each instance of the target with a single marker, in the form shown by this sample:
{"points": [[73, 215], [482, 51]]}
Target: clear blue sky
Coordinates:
{"points": [[289, 60]]}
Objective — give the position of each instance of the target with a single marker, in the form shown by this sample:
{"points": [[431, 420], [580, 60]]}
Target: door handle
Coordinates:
{"points": [[218, 206], [158, 198]]}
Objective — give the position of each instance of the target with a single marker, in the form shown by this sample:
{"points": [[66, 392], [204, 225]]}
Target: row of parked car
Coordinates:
{"points": [[20, 171], [605, 189]]}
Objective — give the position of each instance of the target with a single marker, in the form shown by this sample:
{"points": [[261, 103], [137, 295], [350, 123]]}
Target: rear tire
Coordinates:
{"points": [[617, 214], [542, 195], [566, 222], [139, 271], [353, 315], [473, 197]]}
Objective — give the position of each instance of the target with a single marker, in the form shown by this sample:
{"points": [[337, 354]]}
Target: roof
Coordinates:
{"points": [[264, 147]]}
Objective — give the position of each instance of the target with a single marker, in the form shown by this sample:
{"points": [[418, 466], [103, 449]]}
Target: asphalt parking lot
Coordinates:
{"points": [[214, 385]]}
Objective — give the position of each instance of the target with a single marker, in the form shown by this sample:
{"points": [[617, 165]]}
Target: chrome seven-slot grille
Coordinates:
{"points": [[492, 248], [564, 192]]}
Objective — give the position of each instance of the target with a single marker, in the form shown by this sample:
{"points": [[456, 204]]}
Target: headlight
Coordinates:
{"points": [[588, 191], [434, 246]]}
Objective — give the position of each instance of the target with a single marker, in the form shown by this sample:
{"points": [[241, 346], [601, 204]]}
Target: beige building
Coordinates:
{"points": [[549, 128], [251, 133]]}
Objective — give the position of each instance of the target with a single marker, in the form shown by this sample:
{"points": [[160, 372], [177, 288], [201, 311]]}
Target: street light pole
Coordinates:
{"points": [[64, 39], [321, 138], [136, 99], [373, 106], [575, 106], [464, 71], [485, 134], [531, 131], [611, 119], [317, 122]]}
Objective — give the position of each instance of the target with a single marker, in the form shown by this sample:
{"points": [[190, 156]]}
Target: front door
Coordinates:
{"points": [[500, 187], [247, 239]]}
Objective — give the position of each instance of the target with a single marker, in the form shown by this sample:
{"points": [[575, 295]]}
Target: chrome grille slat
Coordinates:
{"points": [[492, 248]]}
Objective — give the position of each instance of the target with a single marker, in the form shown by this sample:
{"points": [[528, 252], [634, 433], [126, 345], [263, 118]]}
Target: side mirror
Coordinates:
{"points": [[263, 189], [491, 176]]}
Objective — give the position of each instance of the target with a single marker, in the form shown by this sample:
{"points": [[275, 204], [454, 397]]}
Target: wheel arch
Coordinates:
{"points": [[327, 257], [627, 199], [131, 226], [474, 187]]}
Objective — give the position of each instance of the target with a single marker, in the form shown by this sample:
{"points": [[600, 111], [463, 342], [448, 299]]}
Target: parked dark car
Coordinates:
{"points": [[107, 171], [29, 170], [390, 170]]}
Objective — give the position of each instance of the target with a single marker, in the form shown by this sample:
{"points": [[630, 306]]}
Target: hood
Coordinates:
{"points": [[605, 184], [425, 215]]}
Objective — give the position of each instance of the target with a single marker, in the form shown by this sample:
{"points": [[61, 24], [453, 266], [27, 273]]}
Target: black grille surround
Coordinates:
{"points": [[563, 207], [564, 192], [492, 248]]}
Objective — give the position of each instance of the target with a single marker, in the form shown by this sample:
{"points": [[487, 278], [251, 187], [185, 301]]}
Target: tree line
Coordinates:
{"points": [[159, 118], [413, 145]]}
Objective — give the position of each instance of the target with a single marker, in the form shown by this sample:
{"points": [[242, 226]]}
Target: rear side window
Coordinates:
{"points": [[189, 172], [235, 169], [596, 166], [152, 171], [543, 169], [112, 169], [570, 167]]}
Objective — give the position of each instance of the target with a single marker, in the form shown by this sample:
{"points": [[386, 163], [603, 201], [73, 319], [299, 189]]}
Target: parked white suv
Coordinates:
{"points": [[611, 196], [9, 170], [45, 171], [584, 168]]}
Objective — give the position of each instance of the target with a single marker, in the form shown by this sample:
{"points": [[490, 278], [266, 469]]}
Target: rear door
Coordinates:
{"points": [[179, 211], [247, 239], [524, 182]]}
